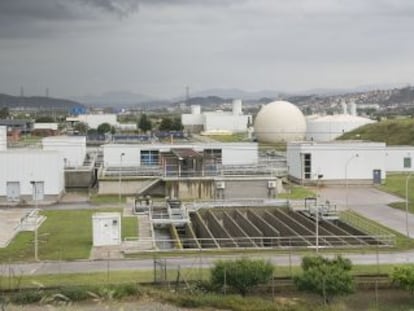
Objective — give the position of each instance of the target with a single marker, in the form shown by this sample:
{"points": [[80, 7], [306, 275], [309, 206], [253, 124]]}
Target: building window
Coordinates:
{"points": [[307, 165], [407, 162], [150, 157]]}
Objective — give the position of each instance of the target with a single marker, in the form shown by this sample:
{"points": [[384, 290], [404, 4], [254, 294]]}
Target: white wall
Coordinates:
{"points": [[3, 138], [106, 229], [394, 158], [45, 126], [32, 165], [225, 122], [94, 120], [338, 161], [192, 119], [232, 153], [71, 148]]}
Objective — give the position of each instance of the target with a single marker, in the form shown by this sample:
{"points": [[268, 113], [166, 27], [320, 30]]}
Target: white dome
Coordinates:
{"points": [[280, 121], [327, 128]]}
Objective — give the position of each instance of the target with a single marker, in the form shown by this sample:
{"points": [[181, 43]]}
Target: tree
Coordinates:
{"points": [[326, 277], [404, 277], [104, 128], [4, 113], [81, 128], [166, 124], [241, 274], [144, 124], [45, 119], [177, 125]]}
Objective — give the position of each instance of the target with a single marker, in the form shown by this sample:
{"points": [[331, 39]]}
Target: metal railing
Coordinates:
{"points": [[294, 242]]}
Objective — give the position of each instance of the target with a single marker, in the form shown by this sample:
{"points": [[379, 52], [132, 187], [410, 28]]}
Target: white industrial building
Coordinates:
{"points": [[337, 162], [399, 159], [28, 174], [45, 126], [94, 120], [279, 121], [330, 127], [72, 149], [159, 154], [346, 161], [218, 121]]}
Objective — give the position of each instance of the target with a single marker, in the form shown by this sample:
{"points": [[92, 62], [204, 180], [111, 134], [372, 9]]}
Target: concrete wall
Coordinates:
{"points": [[79, 178], [24, 166], [337, 161], [394, 158], [190, 189], [246, 189], [3, 138], [71, 148], [225, 122], [128, 186]]}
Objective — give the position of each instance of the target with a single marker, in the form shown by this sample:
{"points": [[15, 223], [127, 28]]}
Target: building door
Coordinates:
{"points": [[377, 177], [38, 191], [13, 191]]}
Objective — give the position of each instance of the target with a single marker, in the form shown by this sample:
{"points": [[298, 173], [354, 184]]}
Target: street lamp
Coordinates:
{"points": [[407, 179], [36, 239], [121, 157], [320, 176], [356, 155]]}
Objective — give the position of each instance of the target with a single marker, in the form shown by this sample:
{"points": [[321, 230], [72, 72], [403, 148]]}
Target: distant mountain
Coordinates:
{"points": [[37, 102], [236, 94], [115, 99]]}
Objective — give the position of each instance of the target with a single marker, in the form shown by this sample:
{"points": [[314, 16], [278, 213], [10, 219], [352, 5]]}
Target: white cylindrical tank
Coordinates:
{"points": [[195, 109], [237, 107], [353, 109], [279, 121], [328, 128], [3, 138], [344, 108]]}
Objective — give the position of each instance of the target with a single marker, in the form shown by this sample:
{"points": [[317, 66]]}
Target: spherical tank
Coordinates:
{"points": [[279, 121]]}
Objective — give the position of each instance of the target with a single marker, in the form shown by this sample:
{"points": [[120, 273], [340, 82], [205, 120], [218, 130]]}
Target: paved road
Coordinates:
{"points": [[204, 261], [371, 203]]}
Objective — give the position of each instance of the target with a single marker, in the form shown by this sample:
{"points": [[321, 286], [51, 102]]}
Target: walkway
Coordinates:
{"points": [[372, 204]]}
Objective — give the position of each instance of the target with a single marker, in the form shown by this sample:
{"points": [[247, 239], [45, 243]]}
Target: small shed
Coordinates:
{"points": [[106, 228]]}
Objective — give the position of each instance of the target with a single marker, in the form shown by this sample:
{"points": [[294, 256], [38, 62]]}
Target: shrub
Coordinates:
{"points": [[326, 277], [241, 274], [404, 277], [26, 297]]}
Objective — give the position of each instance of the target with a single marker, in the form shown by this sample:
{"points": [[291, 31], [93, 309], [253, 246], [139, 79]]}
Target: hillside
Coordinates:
{"points": [[392, 132], [38, 102]]}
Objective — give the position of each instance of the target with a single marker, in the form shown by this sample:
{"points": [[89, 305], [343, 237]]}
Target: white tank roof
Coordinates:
{"points": [[280, 121]]}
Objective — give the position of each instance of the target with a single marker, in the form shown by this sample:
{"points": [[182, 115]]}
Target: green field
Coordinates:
{"points": [[297, 193], [395, 184], [65, 235], [392, 132]]}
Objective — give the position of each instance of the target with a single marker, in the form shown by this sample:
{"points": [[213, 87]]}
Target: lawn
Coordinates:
{"points": [[297, 193], [65, 235], [107, 199], [240, 137], [395, 184]]}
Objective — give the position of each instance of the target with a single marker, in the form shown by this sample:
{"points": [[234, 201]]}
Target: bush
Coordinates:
{"points": [[241, 274], [75, 293], [26, 297], [326, 277], [404, 277]]}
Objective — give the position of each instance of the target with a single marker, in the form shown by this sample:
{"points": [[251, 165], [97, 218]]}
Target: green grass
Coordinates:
{"points": [[233, 138], [395, 184], [392, 132], [297, 193], [401, 241], [65, 235]]}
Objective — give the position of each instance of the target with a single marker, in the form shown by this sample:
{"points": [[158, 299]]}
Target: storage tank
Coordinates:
{"points": [[195, 109], [327, 128], [279, 121], [237, 107], [3, 138]]}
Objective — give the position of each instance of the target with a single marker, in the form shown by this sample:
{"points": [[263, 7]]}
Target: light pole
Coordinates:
{"points": [[407, 179], [356, 155], [121, 157], [36, 238], [320, 176]]}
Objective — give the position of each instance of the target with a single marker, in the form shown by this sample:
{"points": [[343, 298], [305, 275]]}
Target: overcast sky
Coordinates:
{"points": [[156, 47]]}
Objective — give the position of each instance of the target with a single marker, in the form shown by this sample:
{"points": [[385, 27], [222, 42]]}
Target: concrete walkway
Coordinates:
{"points": [[372, 204]]}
